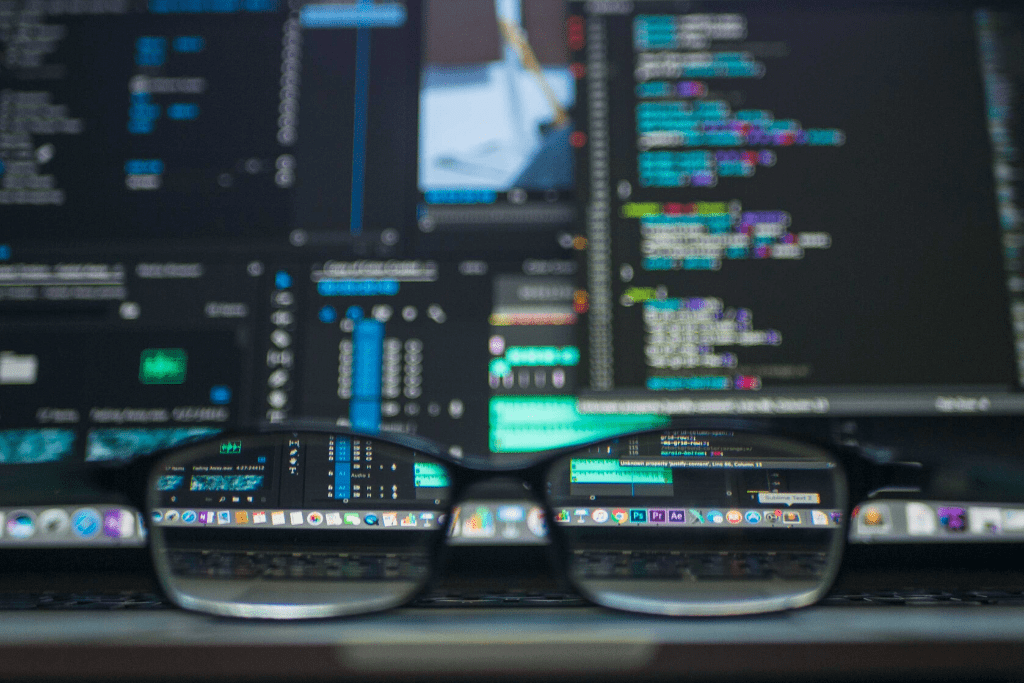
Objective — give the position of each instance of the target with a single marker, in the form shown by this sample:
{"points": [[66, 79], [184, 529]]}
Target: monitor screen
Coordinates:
{"points": [[506, 226]]}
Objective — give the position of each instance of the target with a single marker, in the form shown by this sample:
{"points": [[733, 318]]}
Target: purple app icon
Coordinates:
{"points": [[953, 518], [677, 516], [206, 517], [656, 515], [112, 523]]}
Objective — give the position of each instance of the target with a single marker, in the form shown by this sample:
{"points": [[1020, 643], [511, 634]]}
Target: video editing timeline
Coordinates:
{"points": [[752, 200], [273, 481], [188, 136]]}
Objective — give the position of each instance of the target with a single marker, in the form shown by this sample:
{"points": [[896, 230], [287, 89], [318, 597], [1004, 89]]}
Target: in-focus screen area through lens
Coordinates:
{"points": [[700, 521], [296, 525]]}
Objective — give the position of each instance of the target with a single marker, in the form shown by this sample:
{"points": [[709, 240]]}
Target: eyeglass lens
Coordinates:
{"points": [[672, 522]]}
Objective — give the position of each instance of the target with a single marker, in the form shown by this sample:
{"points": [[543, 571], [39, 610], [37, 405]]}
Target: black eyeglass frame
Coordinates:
{"points": [[857, 478]]}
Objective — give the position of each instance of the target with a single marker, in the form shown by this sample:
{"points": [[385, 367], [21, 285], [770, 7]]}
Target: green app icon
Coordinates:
{"points": [[163, 366]]}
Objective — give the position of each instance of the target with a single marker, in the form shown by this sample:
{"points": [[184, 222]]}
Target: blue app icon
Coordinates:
{"points": [[752, 516], [638, 515], [188, 516], [220, 395], [370, 519], [715, 516], [86, 523]]}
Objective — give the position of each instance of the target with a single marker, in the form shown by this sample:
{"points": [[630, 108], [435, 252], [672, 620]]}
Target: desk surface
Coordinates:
{"points": [[879, 643]]}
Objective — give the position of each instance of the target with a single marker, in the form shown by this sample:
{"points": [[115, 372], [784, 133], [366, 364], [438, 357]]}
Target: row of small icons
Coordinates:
{"points": [[923, 519], [82, 523], [498, 521], [425, 520], [693, 516]]}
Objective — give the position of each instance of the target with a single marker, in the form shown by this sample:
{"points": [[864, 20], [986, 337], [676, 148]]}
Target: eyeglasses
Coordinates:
{"points": [[690, 522]]}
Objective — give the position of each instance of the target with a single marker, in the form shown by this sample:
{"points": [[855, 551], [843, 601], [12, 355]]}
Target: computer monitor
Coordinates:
{"points": [[507, 226]]}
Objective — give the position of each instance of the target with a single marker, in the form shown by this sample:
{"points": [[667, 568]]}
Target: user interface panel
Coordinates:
{"points": [[302, 481]]}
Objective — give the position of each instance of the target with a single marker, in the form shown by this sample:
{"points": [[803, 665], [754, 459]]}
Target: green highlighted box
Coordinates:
{"points": [[163, 366], [499, 367], [534, 356], [640, 209], [430, 475], [603, 471], [521, 424], [543, 355]]}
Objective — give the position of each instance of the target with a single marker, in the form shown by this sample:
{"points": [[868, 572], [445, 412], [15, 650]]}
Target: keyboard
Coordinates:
{"points": [[296, 566], [607, 564]]}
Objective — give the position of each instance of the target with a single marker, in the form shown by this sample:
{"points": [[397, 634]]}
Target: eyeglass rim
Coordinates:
{"points": [[560, 547]]}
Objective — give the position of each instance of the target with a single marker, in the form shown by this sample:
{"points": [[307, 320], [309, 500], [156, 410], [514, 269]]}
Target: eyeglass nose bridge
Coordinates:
{"points": [[475, 489]]}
